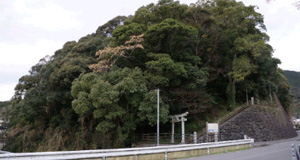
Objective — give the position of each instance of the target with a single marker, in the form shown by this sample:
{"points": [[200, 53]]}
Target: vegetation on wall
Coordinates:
{"points": [[100, 91]]}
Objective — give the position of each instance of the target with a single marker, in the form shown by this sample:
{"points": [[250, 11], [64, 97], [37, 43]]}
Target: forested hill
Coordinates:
{"points": [[206, 58], [294, 81], [4, 104], [3, 108], [293, 78]]}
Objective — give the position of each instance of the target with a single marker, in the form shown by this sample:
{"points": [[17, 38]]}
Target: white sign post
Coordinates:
{"points": [[213, 128]]}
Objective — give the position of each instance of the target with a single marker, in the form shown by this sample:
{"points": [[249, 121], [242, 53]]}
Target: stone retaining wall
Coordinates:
{"points": [[263, 123]]}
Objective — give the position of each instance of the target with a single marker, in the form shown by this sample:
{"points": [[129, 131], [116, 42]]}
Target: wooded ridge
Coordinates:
{"points": [[206, 58]]}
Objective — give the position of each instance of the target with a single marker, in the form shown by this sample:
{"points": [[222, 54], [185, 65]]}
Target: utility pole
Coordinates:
{"points": [[157, 136]]}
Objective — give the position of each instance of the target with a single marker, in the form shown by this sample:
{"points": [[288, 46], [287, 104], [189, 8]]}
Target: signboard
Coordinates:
{"points": [[212, 127]]}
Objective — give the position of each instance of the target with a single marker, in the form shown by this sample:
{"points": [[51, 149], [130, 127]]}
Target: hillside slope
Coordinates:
{"points": [[293, 78], [263, 122], [294, 81]]}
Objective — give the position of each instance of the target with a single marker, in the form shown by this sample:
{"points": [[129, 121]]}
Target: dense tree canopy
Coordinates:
{"points": [[205, 58]]}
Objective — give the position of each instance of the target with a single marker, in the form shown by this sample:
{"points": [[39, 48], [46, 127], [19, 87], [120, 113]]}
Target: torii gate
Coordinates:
{"points": [[179, 118]]}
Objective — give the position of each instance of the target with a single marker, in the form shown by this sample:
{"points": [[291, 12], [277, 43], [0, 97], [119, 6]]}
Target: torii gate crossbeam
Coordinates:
{"points": [[179, 118]]}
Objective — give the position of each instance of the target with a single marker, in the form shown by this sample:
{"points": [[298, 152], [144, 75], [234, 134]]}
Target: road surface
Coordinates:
{"points": [[275, 150]]}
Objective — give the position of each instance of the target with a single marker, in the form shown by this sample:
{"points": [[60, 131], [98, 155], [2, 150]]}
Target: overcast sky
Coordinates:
{"points": [[32, 29]]}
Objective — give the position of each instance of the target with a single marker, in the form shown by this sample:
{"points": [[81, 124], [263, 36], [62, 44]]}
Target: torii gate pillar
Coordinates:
{"points": [[182, 131], [173, 132]]}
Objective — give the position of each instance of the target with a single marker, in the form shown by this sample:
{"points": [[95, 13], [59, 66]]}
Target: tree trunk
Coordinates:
{"points": [[232, 90], [231, 93], [247, 95]]}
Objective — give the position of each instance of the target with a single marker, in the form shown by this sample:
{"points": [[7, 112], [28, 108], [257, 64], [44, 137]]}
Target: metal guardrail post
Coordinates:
{"points": [[295, 155], [166, 155], [298, 151]]}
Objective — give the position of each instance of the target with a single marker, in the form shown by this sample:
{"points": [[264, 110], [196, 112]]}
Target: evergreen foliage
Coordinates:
{"points": [[100, 91], [4, 104], [294, 79]]}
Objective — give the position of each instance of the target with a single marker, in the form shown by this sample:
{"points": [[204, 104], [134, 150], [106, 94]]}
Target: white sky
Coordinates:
{"points": [[32, 29]]}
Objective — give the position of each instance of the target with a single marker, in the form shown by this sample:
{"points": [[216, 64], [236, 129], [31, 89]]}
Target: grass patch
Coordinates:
{"points": [[230, 150]]}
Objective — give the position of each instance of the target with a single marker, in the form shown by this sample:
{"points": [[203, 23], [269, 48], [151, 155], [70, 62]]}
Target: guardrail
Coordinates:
{"points": [[161, 152], [295, 154]]}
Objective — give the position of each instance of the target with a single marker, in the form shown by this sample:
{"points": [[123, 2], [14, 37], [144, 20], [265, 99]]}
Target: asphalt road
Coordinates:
{"points": [[275, 150]]}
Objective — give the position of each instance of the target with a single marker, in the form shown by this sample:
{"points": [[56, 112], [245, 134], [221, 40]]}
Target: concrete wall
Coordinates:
{"points": [[263, 123]]}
